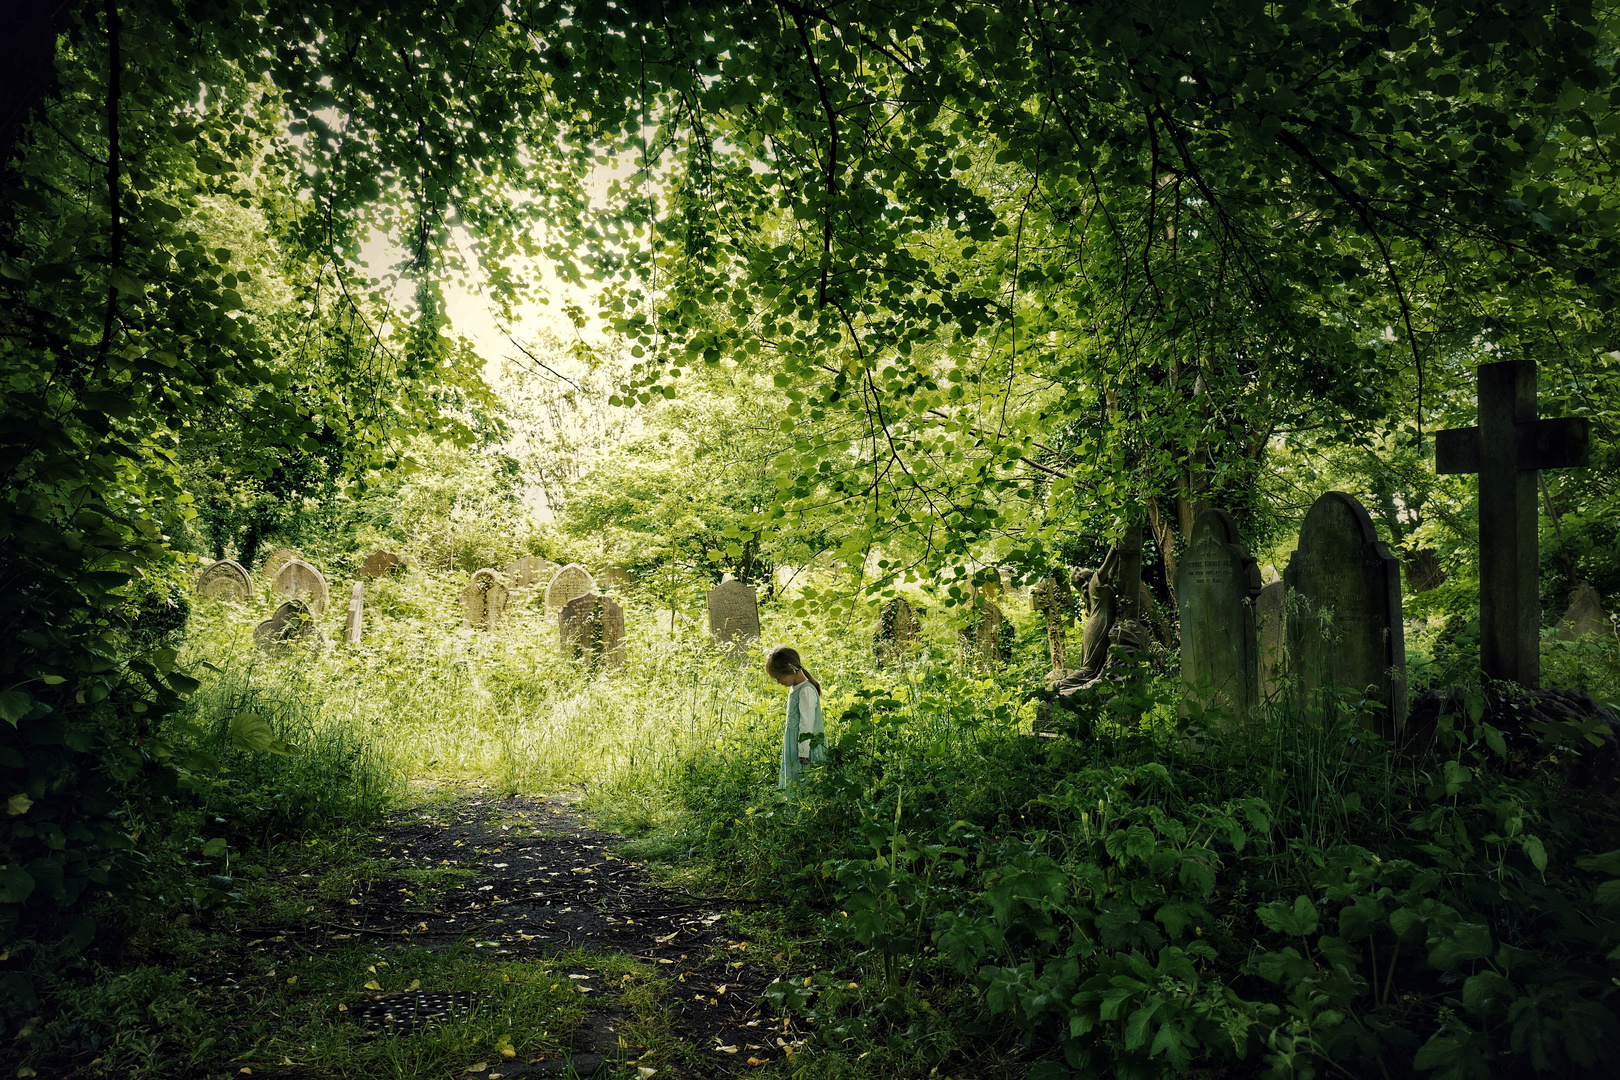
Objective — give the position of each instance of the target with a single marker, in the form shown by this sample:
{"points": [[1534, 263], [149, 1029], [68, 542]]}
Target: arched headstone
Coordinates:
{"points": [[274, 561], [531, 571], [733, 613], [571, 581], [1585, 616], [292, 624], [1344, 628], [591, 628], [381, 564], [224, 580], [1217, 583], [357, 614], [298, 580], [483, 601]]}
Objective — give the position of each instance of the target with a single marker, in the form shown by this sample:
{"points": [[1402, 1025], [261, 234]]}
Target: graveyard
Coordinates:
{"points": [[1179, 443]]}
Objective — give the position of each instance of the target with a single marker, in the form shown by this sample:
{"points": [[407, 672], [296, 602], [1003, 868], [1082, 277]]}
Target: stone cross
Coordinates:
{"points": [[1507, 449], [357, 614], [591, 628], [733, 613], [224, 580], [298, 580], [1344, 626], [483, 601], [571, 581], [1217, 583]]}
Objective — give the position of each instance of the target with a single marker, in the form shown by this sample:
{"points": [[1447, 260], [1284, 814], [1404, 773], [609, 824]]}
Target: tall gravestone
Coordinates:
{"points": [[1052, 599], [292, 624], [483, 601], [1271, 620], [591, 628], [274, 561], [1217, 584], [733, 613], [382, 564], [531, 571], [571, 581], [897, 629], [980, 641], [1344, 627], [298, 580], [224, 580], [354, 625]]}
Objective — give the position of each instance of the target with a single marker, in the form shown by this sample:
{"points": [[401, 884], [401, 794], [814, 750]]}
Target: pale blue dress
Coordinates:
{"points": [[803, 721]]}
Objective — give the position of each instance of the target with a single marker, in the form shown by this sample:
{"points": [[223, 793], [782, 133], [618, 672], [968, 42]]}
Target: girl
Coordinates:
{"points": [[801, 738]]}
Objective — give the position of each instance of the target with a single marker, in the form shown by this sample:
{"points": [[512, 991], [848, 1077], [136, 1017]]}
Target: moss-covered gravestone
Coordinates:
{"points": [[531, 571], [591, 628], [897, 629], [571, 581], [292, 624], [224, 580], [733, 613], [299, 580], [1271, 627], [483, 601], [381, 564], [274, 561], [1344, 625], [1217, 583]]}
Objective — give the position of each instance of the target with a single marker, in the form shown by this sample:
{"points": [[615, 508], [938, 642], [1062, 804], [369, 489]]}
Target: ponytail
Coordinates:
{"points": [[783, 660]]}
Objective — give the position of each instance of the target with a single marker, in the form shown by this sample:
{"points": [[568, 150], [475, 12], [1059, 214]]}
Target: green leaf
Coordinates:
{"points": [[15, 885], [1296, 921], [1536, 852], [249, 732], [14, 706], [214, 847]]}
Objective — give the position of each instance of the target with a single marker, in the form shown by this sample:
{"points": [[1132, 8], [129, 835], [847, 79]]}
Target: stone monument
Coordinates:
{"points": [[1052, 599], [274, 561], [483, 601], [897, 629], [615, 580], [1344, 621], [1585, 616], [353, 626], [298, 580], [591, 628], [292, 624], [980, 641], [224, 580], [531, 571], [571, 581], [381, 564], [733, 613], [1272, 632], [1217, 583]]}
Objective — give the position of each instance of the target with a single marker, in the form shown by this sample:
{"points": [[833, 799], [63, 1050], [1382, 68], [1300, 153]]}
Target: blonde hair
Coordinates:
{"points": [[783, 661]]}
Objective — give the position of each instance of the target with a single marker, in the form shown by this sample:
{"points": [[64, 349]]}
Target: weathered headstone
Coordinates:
{"points": [[224, 580], [1508, 448], [354, 625], [1217, 583], [483, 601], [1344, 628], [1272, 633], [298, 580], [615, 580], [1423, 571], [292, 624], [1585, 616], [591, 628], [381, 564], [980, 641], [1052, 599], [531, 571], [274, 561], [733, 613], [571, 581], [897, 629]]}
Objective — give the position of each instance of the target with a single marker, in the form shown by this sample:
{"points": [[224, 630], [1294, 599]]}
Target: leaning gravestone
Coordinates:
{"points": [[483, 601], [571, 581], [897, 629], [1345, 630], [733, 613], [980, 640], [1585, 616], [1272, 633], [357, 614], [292, 624], [381, 564], [531, 570], [298, 580], [591, 628], [224, 580], [278, 558], [1217, 582]]}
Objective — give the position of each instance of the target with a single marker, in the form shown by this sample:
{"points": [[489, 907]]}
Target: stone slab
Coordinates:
{"points": [[224, 580], [299, 580]]}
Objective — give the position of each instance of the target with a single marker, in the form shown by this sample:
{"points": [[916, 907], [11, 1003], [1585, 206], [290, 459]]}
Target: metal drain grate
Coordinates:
{"points": [[403, 1014]]}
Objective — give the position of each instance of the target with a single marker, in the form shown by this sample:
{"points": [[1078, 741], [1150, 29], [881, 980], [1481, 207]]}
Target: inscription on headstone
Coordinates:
{"points": [[298, 580], [1217, 583], [483, 601], [292, 624], [733, 613], [591, 628], [571, 581], [531, 571], [357, 613], [1344, 627], [274, 561], [224, 580], [381, 564]]}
